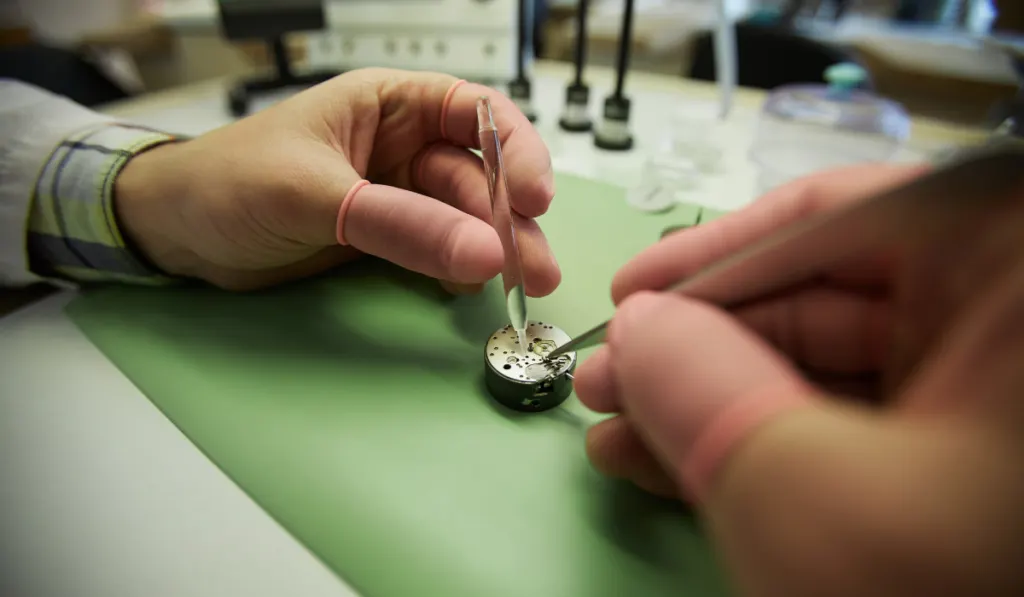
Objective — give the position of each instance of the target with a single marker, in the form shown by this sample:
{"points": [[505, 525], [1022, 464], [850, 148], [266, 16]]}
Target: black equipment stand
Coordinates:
{"points": [[613, 134], [576, 116], [270, 21], [521, 89]]}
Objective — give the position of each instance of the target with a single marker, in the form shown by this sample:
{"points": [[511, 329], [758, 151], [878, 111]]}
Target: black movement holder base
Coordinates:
{"points": [[576, 116], [524, 380], [270, 21], [613, 133], [519, 89]]}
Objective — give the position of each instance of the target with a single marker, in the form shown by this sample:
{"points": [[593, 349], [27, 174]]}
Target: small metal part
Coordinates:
{"points": [[527, 380]]}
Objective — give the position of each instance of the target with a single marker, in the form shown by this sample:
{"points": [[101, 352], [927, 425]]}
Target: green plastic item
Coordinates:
{"points": [[352, 409], [845, 75]]}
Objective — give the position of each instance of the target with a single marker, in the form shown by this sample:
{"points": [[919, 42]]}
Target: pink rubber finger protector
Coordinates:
{"points": [[719, 437], [346, 203]]}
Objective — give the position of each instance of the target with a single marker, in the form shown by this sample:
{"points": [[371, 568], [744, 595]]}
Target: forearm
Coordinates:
{"points": [[58, 165], [32, 124], [833, 503]]}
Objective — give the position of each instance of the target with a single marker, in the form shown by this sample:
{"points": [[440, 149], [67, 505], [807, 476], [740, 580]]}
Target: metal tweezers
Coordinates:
{"points": [[972, 181]]}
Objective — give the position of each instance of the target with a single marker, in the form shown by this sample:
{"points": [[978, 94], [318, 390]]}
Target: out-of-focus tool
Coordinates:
{"points": [[520, 89], [613, 133], [576, 117], [725, 58], [504, 220], [962, 191]]}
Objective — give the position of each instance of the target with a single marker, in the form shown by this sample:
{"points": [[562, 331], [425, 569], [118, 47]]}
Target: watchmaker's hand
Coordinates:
{"points": [[257, 202], [803, 490], [672, 365]]}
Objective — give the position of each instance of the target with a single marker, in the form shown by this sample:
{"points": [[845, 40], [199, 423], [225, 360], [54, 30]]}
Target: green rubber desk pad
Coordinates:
{"points": [[351, 408]]}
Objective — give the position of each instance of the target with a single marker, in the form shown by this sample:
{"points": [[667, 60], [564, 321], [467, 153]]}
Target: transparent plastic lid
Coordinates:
{"points": [[807, 128], [839, 105]]}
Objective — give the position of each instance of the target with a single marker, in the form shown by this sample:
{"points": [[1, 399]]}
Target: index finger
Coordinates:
{"points": [[527, 161], [435, 106], [684, 253]]}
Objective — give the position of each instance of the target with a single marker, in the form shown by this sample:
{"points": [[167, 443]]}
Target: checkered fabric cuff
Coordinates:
{"points": [[73, 232]]}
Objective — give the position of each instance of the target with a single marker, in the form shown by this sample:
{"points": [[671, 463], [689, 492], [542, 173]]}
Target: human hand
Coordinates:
{"points": [[671, 365], [802, 491], [257, 202]]}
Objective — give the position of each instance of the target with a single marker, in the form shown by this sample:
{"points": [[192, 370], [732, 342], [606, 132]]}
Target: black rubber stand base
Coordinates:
{"points": [[526, 107], [575, 127], [616, 111], [575, 118], [520, 91], [613, 145]]}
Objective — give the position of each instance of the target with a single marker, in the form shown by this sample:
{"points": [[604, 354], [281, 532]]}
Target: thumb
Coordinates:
{"points": [[694, 382]]}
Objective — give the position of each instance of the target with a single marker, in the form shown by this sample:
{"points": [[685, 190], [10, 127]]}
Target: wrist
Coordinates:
{"points": [[148, 203]]}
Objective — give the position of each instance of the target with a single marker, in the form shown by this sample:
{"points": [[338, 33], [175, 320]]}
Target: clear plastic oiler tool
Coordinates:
{"points": [[504, 219]]}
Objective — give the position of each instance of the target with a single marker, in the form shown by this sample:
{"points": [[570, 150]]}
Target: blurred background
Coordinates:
{"points": [[932, 56]]}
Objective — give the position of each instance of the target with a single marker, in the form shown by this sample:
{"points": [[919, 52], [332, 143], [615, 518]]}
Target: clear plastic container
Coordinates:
{"points": [[806, 128], [665, 181], [692, 136], [684, 155]]}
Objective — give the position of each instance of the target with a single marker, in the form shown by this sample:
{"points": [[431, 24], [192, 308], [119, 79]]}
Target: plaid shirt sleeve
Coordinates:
{"points": [[73, 233]]}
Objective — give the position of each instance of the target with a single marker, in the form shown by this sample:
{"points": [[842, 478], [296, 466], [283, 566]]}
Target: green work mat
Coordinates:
{"points": [[352, 409]]}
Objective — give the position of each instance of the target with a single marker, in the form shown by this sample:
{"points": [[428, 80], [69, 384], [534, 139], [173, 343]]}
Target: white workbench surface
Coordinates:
{"points": [[100, 495]]}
